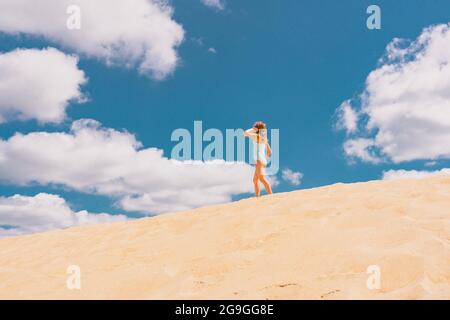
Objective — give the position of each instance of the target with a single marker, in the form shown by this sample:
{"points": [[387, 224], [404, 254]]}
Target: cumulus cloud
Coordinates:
{"points": [[216, 4], [27, 214], [135, 33], [404, 112], [292, 177], [38, 84], [347, 117], [105, 161], [364, 149], [413, 174]]}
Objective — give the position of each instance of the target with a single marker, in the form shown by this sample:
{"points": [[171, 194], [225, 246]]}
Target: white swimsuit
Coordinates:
{"points": [[259, 152]]}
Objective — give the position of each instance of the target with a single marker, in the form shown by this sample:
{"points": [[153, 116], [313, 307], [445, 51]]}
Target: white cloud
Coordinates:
{"points": [[404, 111], [292, 177], [216, 4], [133, 33], [413, 174], [38, 84], [199, 41], [104, 161], [347, 118], [363, 149], [431, 163], [212, 50], [25, 214]]}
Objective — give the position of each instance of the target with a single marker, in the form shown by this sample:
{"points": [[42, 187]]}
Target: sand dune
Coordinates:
{"points": [[314, 244]]}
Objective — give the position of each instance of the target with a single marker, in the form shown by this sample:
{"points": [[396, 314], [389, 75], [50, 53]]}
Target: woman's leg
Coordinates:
{"points": [[264, 181], [256, 183]]}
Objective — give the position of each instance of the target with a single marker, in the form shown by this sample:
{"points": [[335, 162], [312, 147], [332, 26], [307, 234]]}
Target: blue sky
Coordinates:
{"points": [[288, 63]]}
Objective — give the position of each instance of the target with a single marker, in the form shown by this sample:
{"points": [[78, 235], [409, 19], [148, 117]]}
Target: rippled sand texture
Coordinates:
{"points": [[314, 244]]}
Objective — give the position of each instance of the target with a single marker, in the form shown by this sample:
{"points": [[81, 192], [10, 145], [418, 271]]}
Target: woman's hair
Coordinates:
{"points": [[259, 125], [262, 133]]}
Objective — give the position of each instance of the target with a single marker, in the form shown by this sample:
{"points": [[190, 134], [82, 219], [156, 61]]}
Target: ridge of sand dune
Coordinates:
{"points": [[314, 244]]}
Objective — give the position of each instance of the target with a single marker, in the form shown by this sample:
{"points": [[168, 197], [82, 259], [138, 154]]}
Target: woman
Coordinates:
{"points": [[262, 152]]}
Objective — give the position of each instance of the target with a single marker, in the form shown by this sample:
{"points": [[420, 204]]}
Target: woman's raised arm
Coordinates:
{"points": [[251, 133]]}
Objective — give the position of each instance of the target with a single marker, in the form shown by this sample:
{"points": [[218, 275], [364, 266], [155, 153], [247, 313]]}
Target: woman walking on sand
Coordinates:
{"points": [[262, 152]]}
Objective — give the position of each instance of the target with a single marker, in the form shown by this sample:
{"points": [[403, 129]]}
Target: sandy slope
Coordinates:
{"points": [[307, 244]]}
